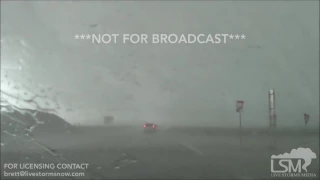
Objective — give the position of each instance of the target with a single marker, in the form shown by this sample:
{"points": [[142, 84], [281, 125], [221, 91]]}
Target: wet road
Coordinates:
{"points": [[167, 155]]}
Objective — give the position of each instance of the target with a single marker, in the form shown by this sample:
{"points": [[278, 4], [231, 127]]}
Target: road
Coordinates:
{"points": [[129, 153]]}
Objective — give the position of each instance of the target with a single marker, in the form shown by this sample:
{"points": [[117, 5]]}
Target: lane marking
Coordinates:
{"points": [[191, 148], [9, 133], [13, 119]]}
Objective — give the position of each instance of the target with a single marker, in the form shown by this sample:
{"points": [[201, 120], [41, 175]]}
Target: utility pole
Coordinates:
{"points": [[272, 109], [272, 118]]}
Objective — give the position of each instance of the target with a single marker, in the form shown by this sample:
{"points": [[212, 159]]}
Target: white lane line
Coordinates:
{"points": [[191, 148], [13, 119], [45, 148], [9, 133]]}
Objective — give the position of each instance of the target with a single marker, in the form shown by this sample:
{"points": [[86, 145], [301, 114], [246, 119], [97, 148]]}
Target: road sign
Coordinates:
{"points": [[306, 118], [239, 106], [108, 119]]}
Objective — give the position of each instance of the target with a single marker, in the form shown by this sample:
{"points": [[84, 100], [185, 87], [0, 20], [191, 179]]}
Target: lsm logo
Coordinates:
{"points": [[290, 164]]}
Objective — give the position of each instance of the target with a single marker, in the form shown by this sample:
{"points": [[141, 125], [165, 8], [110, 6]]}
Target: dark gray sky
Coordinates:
{"points": [[189, 84]]}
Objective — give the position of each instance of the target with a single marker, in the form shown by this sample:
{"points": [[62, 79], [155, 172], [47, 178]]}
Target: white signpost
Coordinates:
{"points": [[239, 109], [306, 119]]}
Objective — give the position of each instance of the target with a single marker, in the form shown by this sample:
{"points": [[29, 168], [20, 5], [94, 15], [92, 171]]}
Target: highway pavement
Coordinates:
{"points": [[131, 154]]}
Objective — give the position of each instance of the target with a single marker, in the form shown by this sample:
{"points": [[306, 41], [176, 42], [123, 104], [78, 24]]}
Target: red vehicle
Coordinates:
{"points": [[150, 127]]}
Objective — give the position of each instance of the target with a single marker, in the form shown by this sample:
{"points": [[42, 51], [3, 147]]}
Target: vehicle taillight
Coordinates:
{"points": [[144, 126], [153, 126]]}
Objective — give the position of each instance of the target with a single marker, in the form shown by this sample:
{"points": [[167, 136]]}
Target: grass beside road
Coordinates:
{"points": [[218, 131]]}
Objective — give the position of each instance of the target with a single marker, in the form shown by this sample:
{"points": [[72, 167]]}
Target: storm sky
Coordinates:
{"points": [[195, 84]]}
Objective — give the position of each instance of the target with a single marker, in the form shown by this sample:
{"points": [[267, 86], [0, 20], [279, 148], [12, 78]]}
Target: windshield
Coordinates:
{"points": [[160, 89]]}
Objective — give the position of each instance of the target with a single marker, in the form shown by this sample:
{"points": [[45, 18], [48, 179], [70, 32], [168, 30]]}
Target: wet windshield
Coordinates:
{"points": [[160, 89]]}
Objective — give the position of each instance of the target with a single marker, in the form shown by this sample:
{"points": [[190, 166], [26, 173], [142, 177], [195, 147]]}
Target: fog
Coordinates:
{"points": [[195, 84]]}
